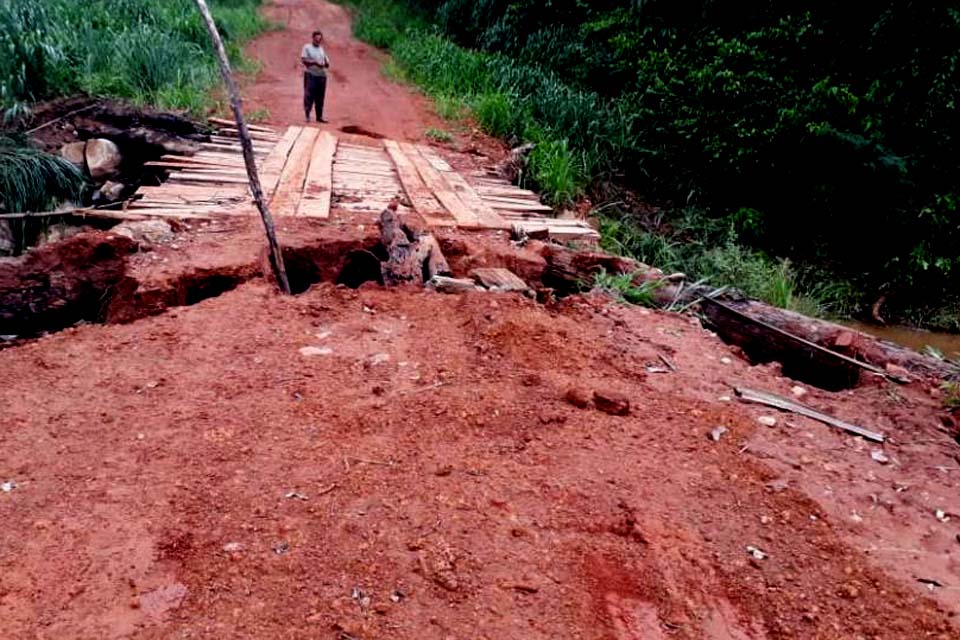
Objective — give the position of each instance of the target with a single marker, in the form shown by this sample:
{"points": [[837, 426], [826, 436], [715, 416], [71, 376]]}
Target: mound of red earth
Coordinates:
{"points": [[403, 463]]}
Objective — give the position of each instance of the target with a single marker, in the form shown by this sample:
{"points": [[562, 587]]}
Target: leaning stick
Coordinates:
{"points": [[278, 268]]}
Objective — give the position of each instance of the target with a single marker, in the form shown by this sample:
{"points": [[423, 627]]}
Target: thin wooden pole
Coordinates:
{"points": [[245, 142]]}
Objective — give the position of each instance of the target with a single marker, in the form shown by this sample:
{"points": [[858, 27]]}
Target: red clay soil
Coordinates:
{"points": [[399, 463]]}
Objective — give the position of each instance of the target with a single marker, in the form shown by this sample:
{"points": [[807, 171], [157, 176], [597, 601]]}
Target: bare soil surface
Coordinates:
{"points": [[220, 461]]}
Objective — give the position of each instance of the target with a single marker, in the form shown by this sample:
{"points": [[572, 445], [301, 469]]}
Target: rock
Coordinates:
{"points": [[112, 191], [798, 391], [103, 158], [612, 403], [498, 279], [577, 397], [767, 421], [897, 371], [7, 245], [444, 284], [75, 153], [57, 233], [308, 352], [148, 232], [717, 433]]}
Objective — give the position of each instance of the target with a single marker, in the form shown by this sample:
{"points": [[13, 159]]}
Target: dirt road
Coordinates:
{"points": [[398, 463], [358, 94]]}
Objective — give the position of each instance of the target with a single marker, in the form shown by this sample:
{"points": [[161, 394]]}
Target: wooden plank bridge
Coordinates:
{"points": [[306, 172]]}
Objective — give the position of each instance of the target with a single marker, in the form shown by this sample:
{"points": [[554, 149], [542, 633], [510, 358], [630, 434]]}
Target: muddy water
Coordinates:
{"points": [[916, 339]]}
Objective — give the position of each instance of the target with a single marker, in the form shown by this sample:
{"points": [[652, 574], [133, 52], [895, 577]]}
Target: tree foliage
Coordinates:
{"points": [[826, 135]]}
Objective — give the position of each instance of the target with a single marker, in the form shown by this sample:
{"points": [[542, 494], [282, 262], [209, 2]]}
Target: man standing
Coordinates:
{"points": [[315, 63]]}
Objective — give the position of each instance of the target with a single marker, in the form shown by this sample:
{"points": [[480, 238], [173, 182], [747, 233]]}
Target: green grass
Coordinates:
{"points": [[258, 115], [31, 180], [438, 135], [450, 107], [575, 130], [622, 287], [147, 52]]}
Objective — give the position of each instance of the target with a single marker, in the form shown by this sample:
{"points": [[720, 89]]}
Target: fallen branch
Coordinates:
{"points": [[779, 402]]}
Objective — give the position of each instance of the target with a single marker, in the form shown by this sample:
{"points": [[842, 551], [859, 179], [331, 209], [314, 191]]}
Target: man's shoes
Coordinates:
{"points": [[323, 120], [308, 119]]}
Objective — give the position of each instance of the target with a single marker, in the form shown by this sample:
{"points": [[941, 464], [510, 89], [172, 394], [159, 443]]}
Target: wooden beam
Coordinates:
{"points": [[318, 187], [286, 199]]}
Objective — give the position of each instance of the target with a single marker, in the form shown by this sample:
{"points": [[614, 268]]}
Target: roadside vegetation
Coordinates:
{"points": [[801, 154], [143, 51]]}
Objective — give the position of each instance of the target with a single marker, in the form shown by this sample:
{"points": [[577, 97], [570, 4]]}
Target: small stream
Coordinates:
{"points": [[916, 339]]}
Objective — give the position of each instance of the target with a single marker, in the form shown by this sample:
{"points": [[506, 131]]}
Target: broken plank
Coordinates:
{"points": [[286, 198], [464, 216], [424, 203], [779, 402], [318, 187]]}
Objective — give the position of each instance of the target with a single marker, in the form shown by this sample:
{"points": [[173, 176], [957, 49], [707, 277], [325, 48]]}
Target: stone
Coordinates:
{"points": [[613, 403], [444, 284], [577, 397], [308, 352], [145, 232], [103, 158], [767, 421], [798, 391], [112, 191], [75, 153]]}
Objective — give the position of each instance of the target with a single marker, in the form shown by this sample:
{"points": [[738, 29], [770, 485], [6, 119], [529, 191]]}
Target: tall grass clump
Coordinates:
{"points": [[146, 51], [31, 180]]}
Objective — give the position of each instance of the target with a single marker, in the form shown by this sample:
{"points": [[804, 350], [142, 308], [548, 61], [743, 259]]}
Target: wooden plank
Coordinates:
{"points": [[203, 158], [255, 135], [434, 158], [485, 215], [318, 187], [503, 206], [779, 402], [272, 166], [209, 177], [463, 215], [231, 123], [417, 191], [353, 170], [223, 148], [286, 198], [235, 142]]}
